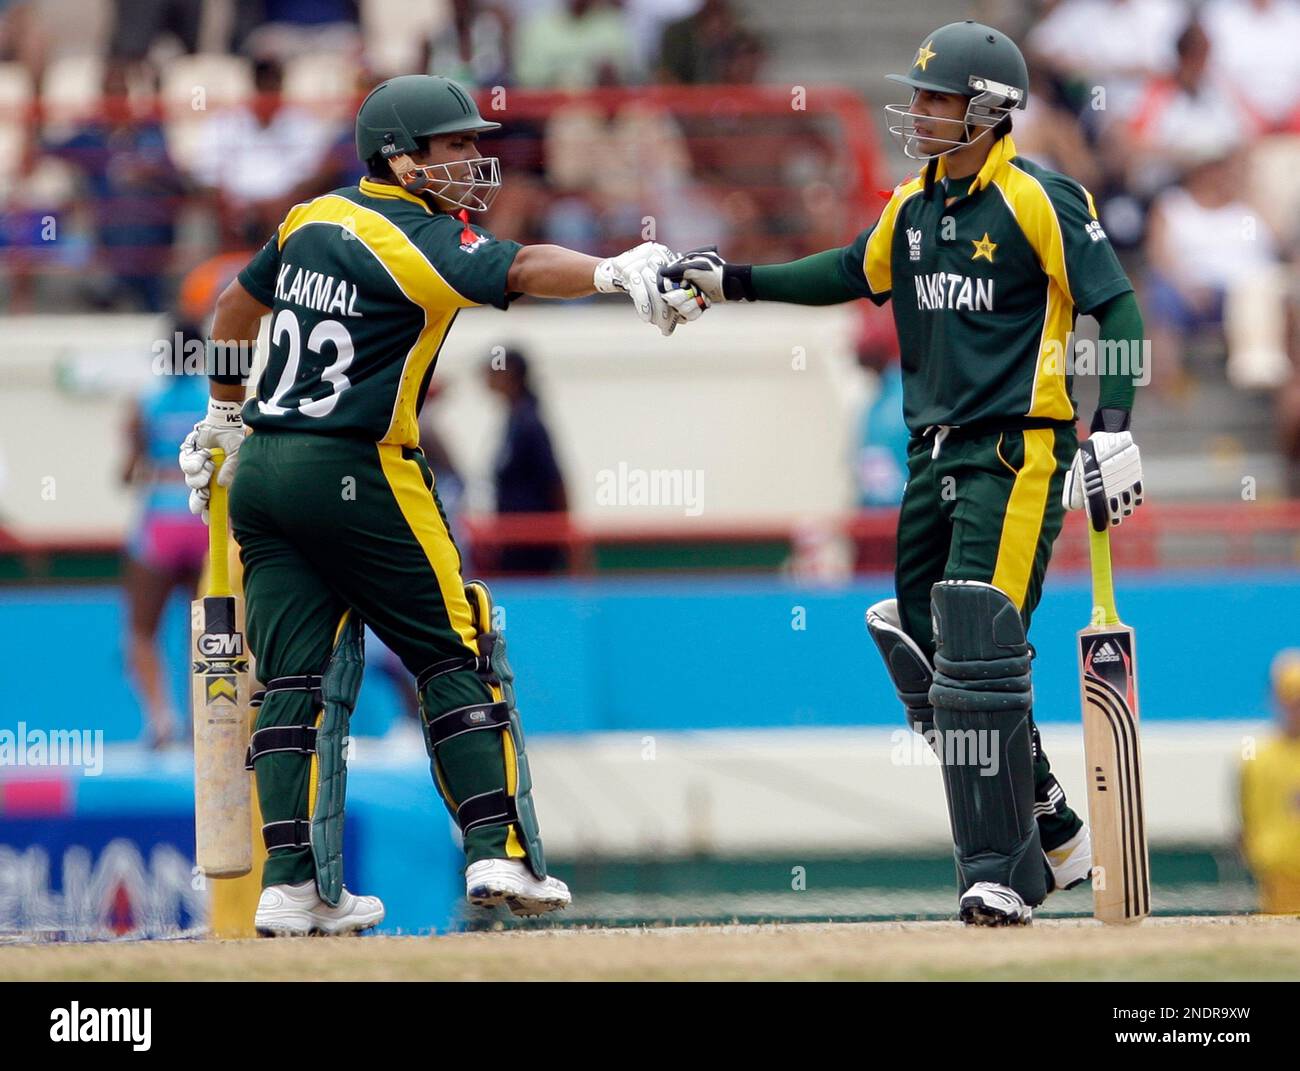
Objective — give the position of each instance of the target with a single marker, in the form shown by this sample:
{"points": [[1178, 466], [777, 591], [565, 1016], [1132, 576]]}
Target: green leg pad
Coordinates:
{"points": [[469, 765], [982, 698], [340, 685]]}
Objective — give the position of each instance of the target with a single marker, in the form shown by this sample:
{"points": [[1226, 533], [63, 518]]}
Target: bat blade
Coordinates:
{"points": [[1112, 748], [220, 683]]}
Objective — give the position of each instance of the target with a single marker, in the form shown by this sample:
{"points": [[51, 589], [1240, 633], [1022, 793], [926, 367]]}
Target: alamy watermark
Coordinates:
{"points": [[1107, 357], [957, 747], [191, 356], [53, 747], [627, 486]]}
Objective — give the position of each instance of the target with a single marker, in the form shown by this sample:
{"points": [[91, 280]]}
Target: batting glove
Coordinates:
{"points": [[221, 429], [636, 273], [1106, 476], [712, 276]]}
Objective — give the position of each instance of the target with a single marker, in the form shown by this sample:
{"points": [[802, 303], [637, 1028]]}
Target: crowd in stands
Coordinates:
{"points": [[1184, 121], [138, 137], [162, 131]]}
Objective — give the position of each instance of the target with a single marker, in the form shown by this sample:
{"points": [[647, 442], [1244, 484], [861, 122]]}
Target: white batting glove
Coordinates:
{"points": [[1106, 476], [222, 429], [636, 273], [613, 273]]}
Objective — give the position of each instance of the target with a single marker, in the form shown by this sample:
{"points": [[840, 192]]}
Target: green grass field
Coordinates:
{"points": [[1233, 948]]}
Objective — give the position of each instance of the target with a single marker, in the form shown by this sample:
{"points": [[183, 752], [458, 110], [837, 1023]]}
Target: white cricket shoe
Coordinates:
{"points": [[988, 904], [298, 910], [492, 882], [1071, 863]]}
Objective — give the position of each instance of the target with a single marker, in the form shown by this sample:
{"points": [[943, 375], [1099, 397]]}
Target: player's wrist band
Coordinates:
{"points": [[1111, 420], [222, 362], [738, 282], [222, 414]]}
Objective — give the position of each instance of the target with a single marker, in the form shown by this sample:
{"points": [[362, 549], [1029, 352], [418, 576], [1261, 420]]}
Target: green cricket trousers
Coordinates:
{"points": [[331, 524]]}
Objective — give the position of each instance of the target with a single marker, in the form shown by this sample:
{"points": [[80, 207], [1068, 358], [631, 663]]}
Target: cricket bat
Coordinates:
{"points": [[222, 794], [1121, 884]]}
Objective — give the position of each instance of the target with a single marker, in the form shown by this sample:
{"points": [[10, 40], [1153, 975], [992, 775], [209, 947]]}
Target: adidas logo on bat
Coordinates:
{"points": [[1105, 653]]}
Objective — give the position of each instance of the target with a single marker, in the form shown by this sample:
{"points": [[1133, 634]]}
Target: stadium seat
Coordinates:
{"points": [[76, 28], [1273, 176], [395, 32], [70, 93], [323, 82], [222, 80]]}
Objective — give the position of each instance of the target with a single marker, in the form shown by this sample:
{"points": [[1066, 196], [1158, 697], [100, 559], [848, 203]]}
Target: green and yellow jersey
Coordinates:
{"points": [[986, 289], [364, 284]]}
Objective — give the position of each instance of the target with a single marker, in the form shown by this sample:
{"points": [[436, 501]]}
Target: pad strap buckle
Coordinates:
{"points": [[306, 683], [468, 720], [291, 833], [296, 738], [494, 808]]}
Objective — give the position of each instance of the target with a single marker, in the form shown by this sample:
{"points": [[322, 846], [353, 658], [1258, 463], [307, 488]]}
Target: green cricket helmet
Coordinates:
{"points": [[397, 114], [970, 59]]}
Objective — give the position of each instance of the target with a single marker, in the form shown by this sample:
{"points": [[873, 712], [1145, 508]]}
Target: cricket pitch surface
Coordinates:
{"points": [[1193, 948]]}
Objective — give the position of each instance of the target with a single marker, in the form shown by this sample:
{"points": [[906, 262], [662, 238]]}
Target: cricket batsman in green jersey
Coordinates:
{"points": [[988, 259], [335, 509]]}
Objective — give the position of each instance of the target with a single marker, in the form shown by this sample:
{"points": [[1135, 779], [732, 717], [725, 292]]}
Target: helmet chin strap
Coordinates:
{"points": [[410, 177]]}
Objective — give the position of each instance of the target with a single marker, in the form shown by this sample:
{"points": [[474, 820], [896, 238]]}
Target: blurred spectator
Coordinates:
{"points": [[880, 461], [475, 47], [133, 193], [745, 60], [1182, 117], [526, 474], [1204, 243], [1270, 798], [285, 28], [1048, 132], [36, 231], [139, 23], [574, 45], [260, 157], [19, 38], [646, 20], [166, 547], [709, 47], [1112, 45], [1255, 53]]}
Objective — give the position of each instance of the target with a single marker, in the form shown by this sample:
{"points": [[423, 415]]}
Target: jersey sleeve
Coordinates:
{"points": [[476, 270], [258, 276], [869, 260], [853, 267], [1092, 272]]}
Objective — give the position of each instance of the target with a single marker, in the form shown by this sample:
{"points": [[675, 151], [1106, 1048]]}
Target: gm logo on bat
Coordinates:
{"points": [[221, 644]]}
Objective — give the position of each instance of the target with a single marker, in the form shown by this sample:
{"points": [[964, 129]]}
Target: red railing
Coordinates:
{"points": [[1167, 536]]}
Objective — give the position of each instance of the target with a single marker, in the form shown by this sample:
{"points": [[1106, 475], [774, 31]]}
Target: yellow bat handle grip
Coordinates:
{"points": [[1103, 582], [218, 525]]}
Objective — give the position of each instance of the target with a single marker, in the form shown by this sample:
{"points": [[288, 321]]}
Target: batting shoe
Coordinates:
{"points": [[988, 904], [298, 910], [492, 882], [1071, 863]]}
